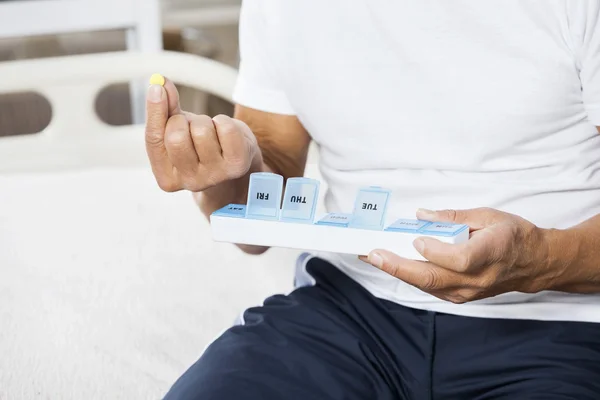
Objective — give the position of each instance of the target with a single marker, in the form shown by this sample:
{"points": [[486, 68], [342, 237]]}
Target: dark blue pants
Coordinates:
{"points": [[334, 340]]}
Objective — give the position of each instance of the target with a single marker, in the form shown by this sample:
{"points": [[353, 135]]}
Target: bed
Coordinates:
{"points": [[109, 287]]}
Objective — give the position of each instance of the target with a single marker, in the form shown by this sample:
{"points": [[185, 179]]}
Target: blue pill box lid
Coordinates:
{"points": [[300, 200], [264, 196], [370, 208], [443, 229], [232, 210], [335, 219], [407, 225]]}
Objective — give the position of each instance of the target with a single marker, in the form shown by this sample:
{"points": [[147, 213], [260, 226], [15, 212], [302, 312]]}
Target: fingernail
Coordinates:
{"points": [[376, 260], [425, 213], [155, 93], [419, 245]]}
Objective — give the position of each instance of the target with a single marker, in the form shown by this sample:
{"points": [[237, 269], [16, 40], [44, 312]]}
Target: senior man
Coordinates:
{"points": [[476, 112]]}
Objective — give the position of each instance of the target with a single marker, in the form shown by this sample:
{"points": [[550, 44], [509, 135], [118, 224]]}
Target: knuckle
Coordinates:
{"points": [[176, 138], [167, 184], [189, 182], [468, 294], [154, 134], [226, 125], [463, 262], [238, 151], [201, 131], [455, 216], [201, 125], [391, 268], [448, 215], [431, 280], [222, 118], [241, 124], [452, 215], [177, 126], [203, 119], [457, 299], [154, 138], [235, 167], [227, 129]]}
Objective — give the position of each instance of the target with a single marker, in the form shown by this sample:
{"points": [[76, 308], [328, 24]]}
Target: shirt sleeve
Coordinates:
{"points": [[589, 39], [258, 85]]}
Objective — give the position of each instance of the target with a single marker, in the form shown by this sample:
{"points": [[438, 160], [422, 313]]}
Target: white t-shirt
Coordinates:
{"points": [[450, 104]]}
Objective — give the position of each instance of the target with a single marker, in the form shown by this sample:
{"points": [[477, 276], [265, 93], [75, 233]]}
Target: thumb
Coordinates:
{"points": [[157, 115], [157, 111], [162, 102], [166, 87]]}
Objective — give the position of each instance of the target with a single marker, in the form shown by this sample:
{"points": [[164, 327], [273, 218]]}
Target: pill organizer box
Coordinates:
{"points": [[276, 218]]}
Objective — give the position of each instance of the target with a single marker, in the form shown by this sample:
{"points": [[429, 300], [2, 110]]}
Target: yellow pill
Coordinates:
{"points": [[157, 79]]}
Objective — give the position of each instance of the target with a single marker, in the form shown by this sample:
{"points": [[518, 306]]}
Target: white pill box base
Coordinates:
{"points": [[319, 237]]}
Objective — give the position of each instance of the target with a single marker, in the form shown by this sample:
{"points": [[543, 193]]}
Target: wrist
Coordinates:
{"points": [[563, 249], [232, 191]]}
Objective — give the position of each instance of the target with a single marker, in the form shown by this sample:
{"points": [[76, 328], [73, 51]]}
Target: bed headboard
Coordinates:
{"points": [[76, 137]]}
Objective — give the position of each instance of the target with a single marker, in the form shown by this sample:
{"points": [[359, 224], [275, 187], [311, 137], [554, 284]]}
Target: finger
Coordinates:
{"points": [[233, 142], [477, 218], [459, 295], [180, 146], [464, 257], [206, 141], [156, 121], [172, 97], [424, 275]]}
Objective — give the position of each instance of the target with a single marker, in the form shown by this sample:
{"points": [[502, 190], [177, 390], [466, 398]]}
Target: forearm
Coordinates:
{"points": [[281, 148], [574, 255]]}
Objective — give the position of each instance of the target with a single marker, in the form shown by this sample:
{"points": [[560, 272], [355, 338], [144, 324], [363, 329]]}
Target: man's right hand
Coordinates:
{"points": [[194, 152]]}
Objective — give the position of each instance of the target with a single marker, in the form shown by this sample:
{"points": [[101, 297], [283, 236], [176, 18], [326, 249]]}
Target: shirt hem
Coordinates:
{"points": [[261, 99], [536, 308]]}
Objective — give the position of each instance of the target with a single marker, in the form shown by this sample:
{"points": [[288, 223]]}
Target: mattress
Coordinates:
{"points": [[111, 288]]}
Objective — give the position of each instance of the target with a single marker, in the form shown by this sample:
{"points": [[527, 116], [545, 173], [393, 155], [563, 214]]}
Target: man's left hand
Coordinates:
{"points": [[505, 253]]}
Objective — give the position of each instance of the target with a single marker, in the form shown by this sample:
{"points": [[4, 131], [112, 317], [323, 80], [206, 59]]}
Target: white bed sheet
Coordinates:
{"points": [[110, 288]]}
